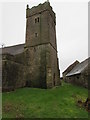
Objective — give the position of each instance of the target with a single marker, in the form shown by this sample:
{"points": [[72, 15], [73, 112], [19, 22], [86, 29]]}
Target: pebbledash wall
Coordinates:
{"points": [[37, 65]]}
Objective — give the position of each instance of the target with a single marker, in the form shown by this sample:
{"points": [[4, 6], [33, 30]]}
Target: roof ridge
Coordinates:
{"points": [[79, 68], [13, 46]]}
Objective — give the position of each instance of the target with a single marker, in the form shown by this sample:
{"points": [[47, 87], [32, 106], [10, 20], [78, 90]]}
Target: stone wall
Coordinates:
{"points": [[36, 74], [80, 80], [43, 68], [13, 75], [53, 73], [35, 67]]}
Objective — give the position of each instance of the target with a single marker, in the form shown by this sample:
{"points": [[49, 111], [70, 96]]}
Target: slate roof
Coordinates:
{"points": [[71, 67], [79, 68], [13, 50]]}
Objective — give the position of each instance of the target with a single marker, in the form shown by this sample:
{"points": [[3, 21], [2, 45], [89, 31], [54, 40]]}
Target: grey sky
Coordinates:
{"points": [[71, 28]]}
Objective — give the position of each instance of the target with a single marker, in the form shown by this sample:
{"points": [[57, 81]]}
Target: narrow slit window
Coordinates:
{"points": [[38, 19], [36, 34], [35, 20], [34, 49]]}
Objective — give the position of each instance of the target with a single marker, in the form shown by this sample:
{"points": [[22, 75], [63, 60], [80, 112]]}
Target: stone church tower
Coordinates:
{"points": [[42, 47], [34, 63]]}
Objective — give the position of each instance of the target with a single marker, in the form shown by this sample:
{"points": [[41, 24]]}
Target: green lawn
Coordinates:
{"points": [[59, 102]]}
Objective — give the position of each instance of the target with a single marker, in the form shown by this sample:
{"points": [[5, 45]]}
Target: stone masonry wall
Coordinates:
{"points": [[36, 75], [53, 73], [13, 75], [42, 47], [80, 80]]}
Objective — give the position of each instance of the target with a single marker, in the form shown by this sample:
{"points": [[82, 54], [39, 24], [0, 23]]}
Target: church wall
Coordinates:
{"points": [[36, 74], [37, 33], [53, 73], [52, 31], [12, 75]]}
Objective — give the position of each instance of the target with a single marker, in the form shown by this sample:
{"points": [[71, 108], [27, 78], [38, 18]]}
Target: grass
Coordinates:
{"points": [[59, 102]]}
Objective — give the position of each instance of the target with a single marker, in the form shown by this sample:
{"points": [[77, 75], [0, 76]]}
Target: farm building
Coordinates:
{"points": [[69, 69], [79, 74]]}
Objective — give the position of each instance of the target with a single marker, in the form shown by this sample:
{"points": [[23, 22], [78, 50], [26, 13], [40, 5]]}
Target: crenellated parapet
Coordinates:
{"points": [[40, 9]]}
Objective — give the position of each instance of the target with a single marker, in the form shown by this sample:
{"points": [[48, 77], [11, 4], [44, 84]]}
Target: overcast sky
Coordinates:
{"points": [[71, 28]]}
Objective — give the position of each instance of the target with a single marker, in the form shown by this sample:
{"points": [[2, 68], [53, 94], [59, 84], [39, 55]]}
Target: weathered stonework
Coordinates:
{"points": [[41, 44], [80, 80], [35, 63], [13, 74], [79, 74]]}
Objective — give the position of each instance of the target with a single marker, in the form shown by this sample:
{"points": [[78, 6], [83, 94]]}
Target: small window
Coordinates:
{"points": [[36, 34], [34, 49], [36, 20]]}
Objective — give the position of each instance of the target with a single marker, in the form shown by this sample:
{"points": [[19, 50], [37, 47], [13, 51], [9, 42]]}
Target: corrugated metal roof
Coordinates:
{"points": [[79, 68], [13, 50]]}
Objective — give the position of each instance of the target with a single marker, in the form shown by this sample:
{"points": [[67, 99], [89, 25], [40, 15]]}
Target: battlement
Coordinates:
{"points": [[39, 9]]}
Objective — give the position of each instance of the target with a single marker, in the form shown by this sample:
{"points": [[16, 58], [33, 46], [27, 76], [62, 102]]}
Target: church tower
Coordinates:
{"points": [[42, 47]]}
